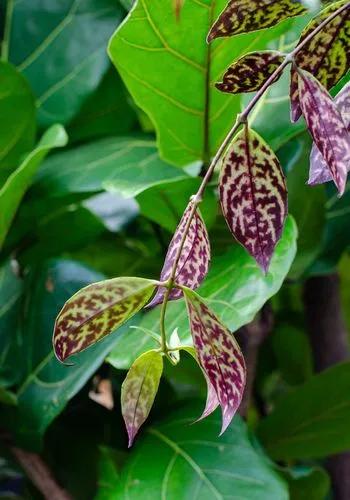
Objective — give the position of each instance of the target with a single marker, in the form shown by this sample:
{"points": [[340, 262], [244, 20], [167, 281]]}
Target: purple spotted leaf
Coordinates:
{"points": [[319, 172], [96, 311], [253, 195], [194, 260], [326, 126], [244, 16], [250, 72], [212, 400], [326, 56], [219, 356], [139, 390]]}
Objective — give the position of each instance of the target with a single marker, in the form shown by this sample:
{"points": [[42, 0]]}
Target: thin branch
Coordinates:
{"points": [[196, 199]]}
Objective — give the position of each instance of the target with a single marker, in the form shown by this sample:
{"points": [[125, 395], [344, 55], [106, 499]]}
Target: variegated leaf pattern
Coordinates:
{"points": [[243, 16], [194, 260], [326, 56], [250, 72], [326, 126], [212, 400], [253, 195], [139, 390], [319, 171], [97, 310], [219, 355]]}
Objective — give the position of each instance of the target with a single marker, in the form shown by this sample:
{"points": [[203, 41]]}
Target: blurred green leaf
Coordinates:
{"points": [[307, 483], [313, 420], [106, 112], [170, 72], [47, 385], [125, 165], [191, 462], [60, 46], [235, 289], [18, 182], [109, 466], [17, 118]]}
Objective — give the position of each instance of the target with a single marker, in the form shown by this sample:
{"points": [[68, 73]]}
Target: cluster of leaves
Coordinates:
{"points": [[50, 207]]}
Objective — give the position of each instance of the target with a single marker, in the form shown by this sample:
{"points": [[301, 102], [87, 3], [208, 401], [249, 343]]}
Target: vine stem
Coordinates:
{"points": [[196, 199], [7, 30]]}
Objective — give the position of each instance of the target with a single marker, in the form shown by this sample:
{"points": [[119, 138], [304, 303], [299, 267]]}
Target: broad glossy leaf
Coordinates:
{"points": [[326, 56], [250, 72], [253, 195], [190, 462], [47, 385], [17, 118], [18, 182], [194, 260], [235, 289], [219, 356], [60, 46], [312, 420], [126, 165], [319, 172], [326, 127], [181, 100], [243, 16], [96, 311], [139, 390]]}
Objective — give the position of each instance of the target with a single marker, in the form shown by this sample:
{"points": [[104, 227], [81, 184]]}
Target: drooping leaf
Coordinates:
{"points": [[17, 119], [253, 195], [125, 165], [18, 182], [139, 390], [243, 16], [319, 171], [190, 462], [219, 356], [96, 311], [326, 126], [60, 47], [250, 72], [235, 289], [194, 260], [190, 125], [326, 56], [319, 427]]}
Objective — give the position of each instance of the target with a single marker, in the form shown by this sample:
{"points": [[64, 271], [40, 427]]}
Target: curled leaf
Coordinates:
{"points": [[194, 260], [250, 72], [219, 356], [326, 56], [244, 16], [319, 171], [326, 126], [139, 390], [97, 310], [253, 195]]}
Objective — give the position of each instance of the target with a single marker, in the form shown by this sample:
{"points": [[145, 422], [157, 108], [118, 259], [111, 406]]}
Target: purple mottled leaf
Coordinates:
{"points": [[219, 356], [319, 172], [326, 56], [326, 126], [253, 195], [194, 260]]}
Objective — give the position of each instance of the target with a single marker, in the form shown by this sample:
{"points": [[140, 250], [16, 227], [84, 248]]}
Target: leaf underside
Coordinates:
{"points": [[253, 195], [96, 311], [244, 16]]}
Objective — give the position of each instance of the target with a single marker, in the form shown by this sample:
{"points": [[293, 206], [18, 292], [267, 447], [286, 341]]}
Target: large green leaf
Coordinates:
{"points": [[235, 289], [17, 118], [313, 420], [126, 165], [18, 182], [60, 46], [47, 385], [170, 72], [191, 462]]}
